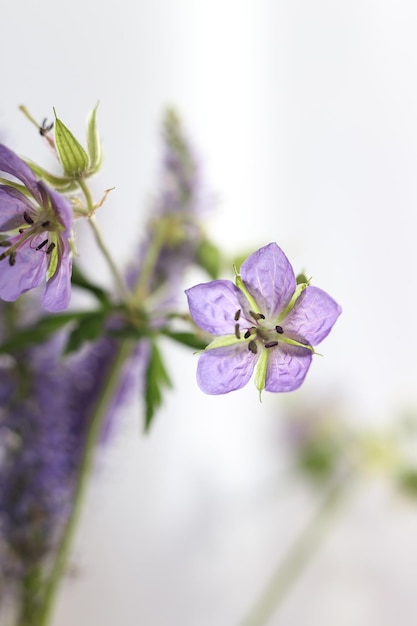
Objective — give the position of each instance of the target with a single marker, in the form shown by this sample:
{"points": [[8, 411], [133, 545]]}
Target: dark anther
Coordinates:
{"points": [[27, 218], [252, 347], [237, 315], [271, 344], [257, 316], [2, 256], [5, 243], [41, 245], [279, 330], [45, 128], [12, 258], [45, 224], [50, 248], [22, 230], [247, 334], [237, 331]]}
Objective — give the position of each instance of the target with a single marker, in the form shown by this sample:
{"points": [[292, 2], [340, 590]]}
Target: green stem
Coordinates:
{"points": [[149, 262], [100, 242], [297, 558], [96, 424]]}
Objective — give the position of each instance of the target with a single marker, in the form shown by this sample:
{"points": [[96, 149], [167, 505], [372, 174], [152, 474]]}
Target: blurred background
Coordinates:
{"points": [[304, 118]]}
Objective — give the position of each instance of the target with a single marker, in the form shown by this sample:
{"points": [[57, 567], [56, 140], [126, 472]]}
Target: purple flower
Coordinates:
{"points": [[266, 322], [37, 223]]}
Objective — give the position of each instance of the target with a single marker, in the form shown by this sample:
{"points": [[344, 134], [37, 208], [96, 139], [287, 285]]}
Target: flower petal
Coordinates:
{"points": [[12, 164], [13, 204], [27, 272], [287, 368], [313, 316], [221, 370], [213, 306], [60, 204], [57, 294], [270, 279]]}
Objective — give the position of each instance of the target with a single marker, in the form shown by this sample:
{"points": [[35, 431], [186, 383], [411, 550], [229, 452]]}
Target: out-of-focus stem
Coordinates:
{"points": [[298, 557]]}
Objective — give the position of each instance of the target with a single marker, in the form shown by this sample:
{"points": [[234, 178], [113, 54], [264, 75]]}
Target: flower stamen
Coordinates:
{"points": [[252, 347], [279, 330], [237, 331], [271, 344], [27, 219], [42, 245], [237, 315]]}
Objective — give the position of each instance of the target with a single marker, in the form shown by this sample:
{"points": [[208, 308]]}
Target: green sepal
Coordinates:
{"points": [[260, 372], [73, 157], [156, 380], [302, 278], [209, 258], [61, 183], [297, 293], [224, 341], [93, 142], [241, 285]]}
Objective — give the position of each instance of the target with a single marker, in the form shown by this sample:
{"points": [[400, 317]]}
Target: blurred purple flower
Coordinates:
{"points": [[38, 233], [266, 322]]}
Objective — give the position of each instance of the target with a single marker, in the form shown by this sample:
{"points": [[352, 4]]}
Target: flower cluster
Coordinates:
{"points": [[265, 321]]}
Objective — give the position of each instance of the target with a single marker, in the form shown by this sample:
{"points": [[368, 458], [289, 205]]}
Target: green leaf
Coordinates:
{"points": [[186, 339], [79, 279], [37, 333], [62, 183], [209, 258], [93, 142], [72, 155], [88, 328], [156, 380]]}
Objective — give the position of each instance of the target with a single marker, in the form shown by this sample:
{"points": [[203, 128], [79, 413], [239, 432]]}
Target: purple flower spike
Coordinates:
{"points": [[37, 229], [265, 323]]}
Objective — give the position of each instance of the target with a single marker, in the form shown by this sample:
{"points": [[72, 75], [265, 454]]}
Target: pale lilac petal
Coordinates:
{"points": [[60, 204], [287, 368], [313, 316], [213, 306], [13, 204], [27, 273], [225, 369], [57, 294], [12, 164], [270, 279]]}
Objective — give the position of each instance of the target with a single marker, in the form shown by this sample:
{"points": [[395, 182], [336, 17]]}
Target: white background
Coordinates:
{"points": [[305, 116]]}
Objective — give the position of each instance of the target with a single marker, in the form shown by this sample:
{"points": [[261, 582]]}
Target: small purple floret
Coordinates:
{"points": [[270, 319]]}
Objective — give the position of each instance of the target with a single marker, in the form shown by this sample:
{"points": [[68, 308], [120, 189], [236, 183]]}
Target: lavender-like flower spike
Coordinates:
{"points": [[37, 226], [265, 322]]}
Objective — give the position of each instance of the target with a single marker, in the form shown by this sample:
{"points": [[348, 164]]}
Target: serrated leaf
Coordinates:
{"points": [[88, 328], [73, 157], [93, 142], [156, 380]]}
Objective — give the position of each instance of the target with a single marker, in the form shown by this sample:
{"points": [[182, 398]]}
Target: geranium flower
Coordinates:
{"points": [[266, 321], [37, 227]]}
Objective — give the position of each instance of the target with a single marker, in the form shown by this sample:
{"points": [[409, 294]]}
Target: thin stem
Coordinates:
{"points": [[97, 419], [297, 558], [149, 262], [100, 242]]}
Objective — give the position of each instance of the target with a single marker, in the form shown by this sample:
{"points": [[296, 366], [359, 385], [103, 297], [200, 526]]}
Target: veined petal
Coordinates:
{"points": [[12, 164], [270, 279], [60, 204], [213, 306], [57, 294], [313, 315], [13, 204], [287, 368], [27, 272], [225, 369]]}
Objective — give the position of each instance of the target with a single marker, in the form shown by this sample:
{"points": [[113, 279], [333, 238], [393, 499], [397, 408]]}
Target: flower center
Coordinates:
{"points": [[33, 229], [257, 332]]}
